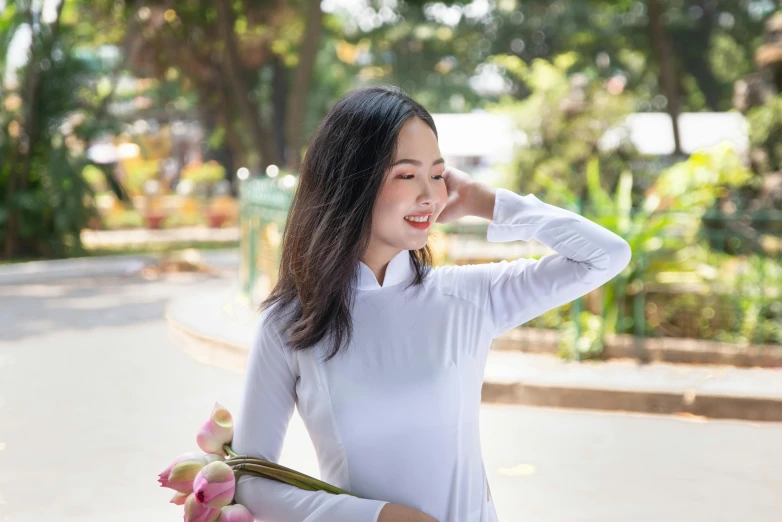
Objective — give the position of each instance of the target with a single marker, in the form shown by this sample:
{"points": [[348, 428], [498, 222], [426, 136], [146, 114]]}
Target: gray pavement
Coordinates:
{"points": [[56, 270], [95, 399]]}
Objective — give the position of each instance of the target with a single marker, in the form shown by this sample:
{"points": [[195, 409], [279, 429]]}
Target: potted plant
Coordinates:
{"points": [[153, 212], [203, 175], [222, 207]]}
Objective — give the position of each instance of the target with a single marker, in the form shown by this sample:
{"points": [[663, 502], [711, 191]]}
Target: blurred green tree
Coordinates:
{"points": [[249, 64], [673, 56], [50, 108], [566, 121]]}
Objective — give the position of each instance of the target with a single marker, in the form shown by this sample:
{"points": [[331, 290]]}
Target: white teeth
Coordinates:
{"points": [[421, 219]]}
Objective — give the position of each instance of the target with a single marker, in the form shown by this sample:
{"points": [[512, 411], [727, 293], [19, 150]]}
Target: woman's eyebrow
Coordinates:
{"points": [[416, 162]]}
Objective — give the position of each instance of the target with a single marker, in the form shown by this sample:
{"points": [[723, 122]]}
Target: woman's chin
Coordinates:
{"points": [[417, 245]]}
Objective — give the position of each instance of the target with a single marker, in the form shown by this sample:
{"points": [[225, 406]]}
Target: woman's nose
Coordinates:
{"points": [[428, 194]]}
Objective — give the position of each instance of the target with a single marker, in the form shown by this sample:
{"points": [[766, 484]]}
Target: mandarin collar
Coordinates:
{"points": [[399, 270]]}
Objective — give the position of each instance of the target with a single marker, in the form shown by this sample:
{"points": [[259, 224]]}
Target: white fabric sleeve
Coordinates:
{"points": [[259, 430], [587, 256]]}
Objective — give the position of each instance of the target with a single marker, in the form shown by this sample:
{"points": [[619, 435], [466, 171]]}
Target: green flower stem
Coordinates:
{"points": [[279, 476], [294, 478], [228, 450], [263, 468], [275, 474]]}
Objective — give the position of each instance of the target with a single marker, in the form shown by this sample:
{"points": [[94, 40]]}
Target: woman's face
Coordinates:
{"points": [[414, 185]]}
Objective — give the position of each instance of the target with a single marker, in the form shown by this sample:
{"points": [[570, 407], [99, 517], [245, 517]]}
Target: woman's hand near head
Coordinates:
{"points": [[466, 197], [397, 513]]}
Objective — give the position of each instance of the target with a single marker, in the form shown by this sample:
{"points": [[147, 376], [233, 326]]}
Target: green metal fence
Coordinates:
{"points": [[264, 204]]}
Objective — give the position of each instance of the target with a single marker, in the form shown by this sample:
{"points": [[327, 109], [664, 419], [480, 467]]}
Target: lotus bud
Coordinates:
{"points": [[235, 513], [163, 475], [196, 512], [211, 457], [179, 498], [182, 475], [216, 432], [214, 485]]}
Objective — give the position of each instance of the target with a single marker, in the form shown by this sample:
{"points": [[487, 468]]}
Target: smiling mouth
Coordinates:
{"points": [[420, 225]]}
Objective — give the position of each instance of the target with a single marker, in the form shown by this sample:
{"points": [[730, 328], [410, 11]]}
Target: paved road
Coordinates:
{"points": [[95, 400]]}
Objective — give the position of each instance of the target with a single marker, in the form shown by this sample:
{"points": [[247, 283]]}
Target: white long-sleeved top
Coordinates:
{"points": [[394, 419]]}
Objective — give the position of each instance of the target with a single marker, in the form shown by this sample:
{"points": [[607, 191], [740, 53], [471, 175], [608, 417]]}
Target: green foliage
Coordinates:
{"points": [[95, 178], [182, 219], [734, 300], [564, 119], [727, 59], [45, 125], [125, 218], [53, 208], [756, 296], [765, 135], [691, 187], [138, 173], [712, 43], [585, 341], [659, 230], [207, 173]]}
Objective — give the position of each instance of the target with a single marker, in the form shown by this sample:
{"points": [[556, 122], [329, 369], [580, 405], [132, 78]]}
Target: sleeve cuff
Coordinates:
{"points": [[355, 509], [508, 222]]}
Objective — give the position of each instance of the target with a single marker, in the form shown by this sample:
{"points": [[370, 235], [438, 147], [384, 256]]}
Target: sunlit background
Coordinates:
{"points": [[176, 129]]}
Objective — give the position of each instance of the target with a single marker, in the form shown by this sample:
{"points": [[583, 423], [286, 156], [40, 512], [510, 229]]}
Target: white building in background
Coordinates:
{"points": [[652, 134], [477, 135], [477, 142]]}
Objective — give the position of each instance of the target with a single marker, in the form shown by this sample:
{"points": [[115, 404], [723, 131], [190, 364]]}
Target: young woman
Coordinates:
{"points": [[382, 353]]}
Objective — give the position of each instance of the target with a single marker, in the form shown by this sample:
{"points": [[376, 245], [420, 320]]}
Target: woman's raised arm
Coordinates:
{"points": [[587, 255]]}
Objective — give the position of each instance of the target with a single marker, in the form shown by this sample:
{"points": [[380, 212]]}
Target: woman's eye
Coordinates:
{"points": [[410, 176]]}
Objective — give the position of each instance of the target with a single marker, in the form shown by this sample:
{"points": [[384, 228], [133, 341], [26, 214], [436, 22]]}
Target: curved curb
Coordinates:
{"points": [[638, 401], [207, 349]]}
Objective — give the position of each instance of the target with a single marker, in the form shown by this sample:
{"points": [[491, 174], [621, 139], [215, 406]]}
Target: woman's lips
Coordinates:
{"points": [[421, 226]]}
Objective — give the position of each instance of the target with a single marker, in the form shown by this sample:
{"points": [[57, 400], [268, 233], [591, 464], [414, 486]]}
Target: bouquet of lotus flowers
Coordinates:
{"points": [[205, 484]]}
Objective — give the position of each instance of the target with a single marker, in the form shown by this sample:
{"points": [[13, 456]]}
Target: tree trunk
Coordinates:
{"points": [[279, 106], [662, 46], [693, 59], [234, 143], [297, 101], [237, 82]]}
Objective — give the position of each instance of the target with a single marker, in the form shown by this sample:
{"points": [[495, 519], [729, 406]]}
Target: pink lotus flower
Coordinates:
{"points": [[216, 432], [179, 498], [183, 473], [235, 513], [211, 457], [163, 475], [196, 512], [214, 485]]}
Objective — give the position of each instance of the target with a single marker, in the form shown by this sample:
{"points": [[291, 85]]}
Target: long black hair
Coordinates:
{"points": [[329, 224]]}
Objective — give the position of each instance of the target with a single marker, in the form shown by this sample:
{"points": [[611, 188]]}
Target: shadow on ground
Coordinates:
{"points": [[82, 304]]}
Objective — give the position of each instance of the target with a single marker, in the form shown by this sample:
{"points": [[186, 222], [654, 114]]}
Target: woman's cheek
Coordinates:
{"points": [[392, 193]]}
